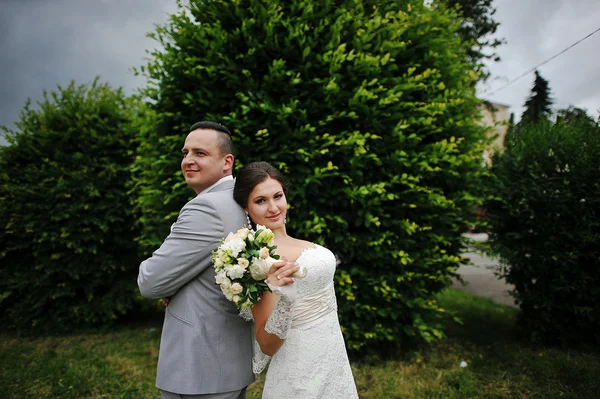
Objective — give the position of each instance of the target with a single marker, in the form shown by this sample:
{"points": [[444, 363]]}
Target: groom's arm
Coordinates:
{"points": [[185, 253]]}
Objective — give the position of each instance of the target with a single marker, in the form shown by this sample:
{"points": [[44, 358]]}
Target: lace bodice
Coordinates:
{"points": [[316, 293], [320, 263]]}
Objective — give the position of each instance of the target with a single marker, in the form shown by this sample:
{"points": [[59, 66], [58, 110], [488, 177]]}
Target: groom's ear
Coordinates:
{"points": [[228, 164]]}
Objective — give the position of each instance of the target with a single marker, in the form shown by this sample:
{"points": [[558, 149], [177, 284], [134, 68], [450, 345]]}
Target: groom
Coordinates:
{"points": [[205, 348]]}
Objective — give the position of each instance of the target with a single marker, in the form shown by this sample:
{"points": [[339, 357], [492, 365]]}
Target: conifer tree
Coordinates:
{"points": [[538, 105], [510, 131]]}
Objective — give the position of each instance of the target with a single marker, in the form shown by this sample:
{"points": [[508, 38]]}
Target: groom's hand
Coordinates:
{"points": [[165, 301], [279, 274]]}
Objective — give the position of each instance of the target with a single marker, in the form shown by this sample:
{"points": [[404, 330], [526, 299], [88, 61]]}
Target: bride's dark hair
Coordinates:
{"points": [[253, 174]]}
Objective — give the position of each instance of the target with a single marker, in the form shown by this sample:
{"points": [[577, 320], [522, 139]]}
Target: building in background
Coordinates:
{"points": [[495, 115]]}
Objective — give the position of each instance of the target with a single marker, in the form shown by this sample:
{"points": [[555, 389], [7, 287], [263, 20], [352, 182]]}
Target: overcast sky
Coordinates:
{"points": [[536, 30], [48, 42]]}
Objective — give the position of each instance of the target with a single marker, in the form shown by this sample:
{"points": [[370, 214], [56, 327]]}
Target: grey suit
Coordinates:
{"points": [[205, 346]]}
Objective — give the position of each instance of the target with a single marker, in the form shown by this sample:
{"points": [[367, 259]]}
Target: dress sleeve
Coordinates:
{"points": [[259, 359]]}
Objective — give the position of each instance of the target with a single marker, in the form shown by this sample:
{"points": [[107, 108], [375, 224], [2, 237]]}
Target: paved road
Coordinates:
{"points": [[480, 278]]}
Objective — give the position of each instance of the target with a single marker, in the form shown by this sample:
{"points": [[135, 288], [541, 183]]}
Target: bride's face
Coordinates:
{"points": [[267, 204]]}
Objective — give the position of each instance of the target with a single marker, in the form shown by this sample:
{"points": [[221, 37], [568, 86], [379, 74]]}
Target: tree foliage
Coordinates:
{"points": [[477, 29], [573, 115], [367, 106], [510, 130], [67, 252], [545, 215], [538, 106]]}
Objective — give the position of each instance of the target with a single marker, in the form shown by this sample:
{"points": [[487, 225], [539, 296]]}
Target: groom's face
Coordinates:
{"points": [[203, 164]]}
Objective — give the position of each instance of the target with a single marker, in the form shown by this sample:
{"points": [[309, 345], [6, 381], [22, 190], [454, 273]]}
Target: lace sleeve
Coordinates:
{"points": [[259, 359], [280, 321]]}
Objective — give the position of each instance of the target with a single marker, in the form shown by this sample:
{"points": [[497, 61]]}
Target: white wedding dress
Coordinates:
{"points": [[312, 363]]}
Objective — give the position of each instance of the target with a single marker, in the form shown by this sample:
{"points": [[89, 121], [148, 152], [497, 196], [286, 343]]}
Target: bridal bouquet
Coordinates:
{"points": [[242, 262]]}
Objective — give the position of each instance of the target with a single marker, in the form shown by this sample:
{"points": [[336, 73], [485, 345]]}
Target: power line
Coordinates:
{"points": [[540, 64]]}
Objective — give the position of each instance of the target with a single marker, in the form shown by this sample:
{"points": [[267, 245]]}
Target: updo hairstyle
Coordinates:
{"points": [[253, 174]]}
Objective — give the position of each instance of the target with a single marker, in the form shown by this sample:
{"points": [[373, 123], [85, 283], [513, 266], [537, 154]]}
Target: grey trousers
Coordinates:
{"points": [[223, 395]]}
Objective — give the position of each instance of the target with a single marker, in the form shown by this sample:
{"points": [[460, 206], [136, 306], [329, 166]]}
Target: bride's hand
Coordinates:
{"points": [[279, 273]]}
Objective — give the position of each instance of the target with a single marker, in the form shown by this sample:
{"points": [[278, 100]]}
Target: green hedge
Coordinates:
{"points": [[545, 218], [369, 109], [67, 250]]}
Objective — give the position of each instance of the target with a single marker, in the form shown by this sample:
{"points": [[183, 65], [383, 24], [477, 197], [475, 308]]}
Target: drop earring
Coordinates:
{"points": [[249, 222]]}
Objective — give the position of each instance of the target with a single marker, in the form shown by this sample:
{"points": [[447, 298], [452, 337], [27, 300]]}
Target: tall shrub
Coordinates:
{"points": [[367, 106], [545, 216], [67, 251]]}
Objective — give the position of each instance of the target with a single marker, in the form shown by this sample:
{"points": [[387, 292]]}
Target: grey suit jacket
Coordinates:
{"points": [[205, 346]]}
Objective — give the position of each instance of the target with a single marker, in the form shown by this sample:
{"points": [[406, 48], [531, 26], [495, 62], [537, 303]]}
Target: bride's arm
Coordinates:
{"points": [[273, 314], [269, 343]]}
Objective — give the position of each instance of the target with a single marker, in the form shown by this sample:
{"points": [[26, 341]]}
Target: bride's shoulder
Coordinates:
{"points": [[302, 244], [307, 246]]}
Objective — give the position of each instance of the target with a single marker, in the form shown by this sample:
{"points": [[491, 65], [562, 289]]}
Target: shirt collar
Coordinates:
{"points": [[221, 180]]}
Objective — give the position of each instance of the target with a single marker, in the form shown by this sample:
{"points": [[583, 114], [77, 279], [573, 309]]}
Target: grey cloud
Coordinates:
{"points": [[48, 42], [535, 30], [45, 43]]}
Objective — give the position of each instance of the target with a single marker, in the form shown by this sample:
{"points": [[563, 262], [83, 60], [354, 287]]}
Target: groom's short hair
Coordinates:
{"points": [[223, 138]]}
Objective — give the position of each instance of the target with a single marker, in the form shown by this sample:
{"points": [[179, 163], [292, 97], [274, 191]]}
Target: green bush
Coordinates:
{"points": [[67, 250], [545, 216], [370, 111]]}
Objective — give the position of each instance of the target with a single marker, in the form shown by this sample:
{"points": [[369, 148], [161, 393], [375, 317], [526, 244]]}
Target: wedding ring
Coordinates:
{"points": [[278, 277]]}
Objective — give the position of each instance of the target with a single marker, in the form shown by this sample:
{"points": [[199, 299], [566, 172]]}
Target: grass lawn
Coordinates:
{"points": [[122, 363]]}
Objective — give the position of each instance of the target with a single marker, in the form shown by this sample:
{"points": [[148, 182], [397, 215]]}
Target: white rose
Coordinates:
{"points": [[237, 245], [242, 233], [236, 298], [221, 275], [258, 269], [235, 271], [218, 262], [229, 237], [243, 262], [225, 247], [237, 288], [228, 293], [264, 253], [269, 262], [225, 283], [301, 273], [250, 237], [226, 288]]}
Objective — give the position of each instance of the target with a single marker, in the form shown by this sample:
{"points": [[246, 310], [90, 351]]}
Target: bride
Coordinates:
{"points": [[297, 326]]}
